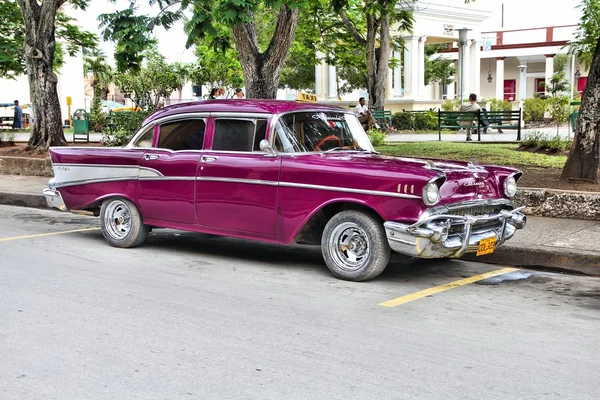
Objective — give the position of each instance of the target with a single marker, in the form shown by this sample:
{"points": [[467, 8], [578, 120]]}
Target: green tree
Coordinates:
{"points": [[217, 67], [95, 64], [183, 72], [28, 45], [379, 15], [584, 159], [155, 80], [558, 83], [437, 68]]}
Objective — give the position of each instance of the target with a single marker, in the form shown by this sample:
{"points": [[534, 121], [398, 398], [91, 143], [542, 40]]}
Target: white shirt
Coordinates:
{"points": [[360, 110]]}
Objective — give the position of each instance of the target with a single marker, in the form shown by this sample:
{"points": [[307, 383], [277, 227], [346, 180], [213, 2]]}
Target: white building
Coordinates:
{"points": [[516, 60]]}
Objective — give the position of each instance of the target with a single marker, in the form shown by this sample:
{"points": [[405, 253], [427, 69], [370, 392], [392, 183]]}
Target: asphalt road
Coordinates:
{"points": [[190, 316]]}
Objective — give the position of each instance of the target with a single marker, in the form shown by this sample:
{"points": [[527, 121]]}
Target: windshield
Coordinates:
{"points": [[304, 132]]}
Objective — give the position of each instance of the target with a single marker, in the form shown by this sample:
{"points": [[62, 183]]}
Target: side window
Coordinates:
{"points": [[182, 135], [239, 135], [146, 139]]}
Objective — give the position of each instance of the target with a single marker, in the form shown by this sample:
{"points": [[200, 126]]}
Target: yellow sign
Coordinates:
{"points": [[486, 246], [311, 98], [69, 101]]}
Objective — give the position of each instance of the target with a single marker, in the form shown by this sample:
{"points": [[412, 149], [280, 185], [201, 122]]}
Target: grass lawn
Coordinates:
{"points": [[498, 154]]}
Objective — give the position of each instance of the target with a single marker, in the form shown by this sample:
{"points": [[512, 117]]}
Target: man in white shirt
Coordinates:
{"points": [[364, 115]]}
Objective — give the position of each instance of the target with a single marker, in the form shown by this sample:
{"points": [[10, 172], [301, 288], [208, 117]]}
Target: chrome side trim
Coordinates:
{"points": [[237, 180], [349, 190], [89, 181], [167, 178]]}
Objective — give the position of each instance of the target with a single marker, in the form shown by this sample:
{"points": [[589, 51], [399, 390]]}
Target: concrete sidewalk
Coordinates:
{"points": [[566, 244]]}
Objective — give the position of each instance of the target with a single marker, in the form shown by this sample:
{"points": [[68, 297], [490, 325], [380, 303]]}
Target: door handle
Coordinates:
{"points": [[208, 159], [151, 156]]}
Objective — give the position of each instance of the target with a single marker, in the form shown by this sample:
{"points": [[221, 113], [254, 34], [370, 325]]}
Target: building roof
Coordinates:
{"points": [[239, 106]]}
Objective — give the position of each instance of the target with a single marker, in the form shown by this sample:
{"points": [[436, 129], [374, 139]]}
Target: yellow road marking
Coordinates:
{"points": [[46, 234], [442, 288]]}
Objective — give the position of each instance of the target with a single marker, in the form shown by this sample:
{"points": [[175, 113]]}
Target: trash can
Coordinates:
{"points": [[573, 118], [81, 126]]}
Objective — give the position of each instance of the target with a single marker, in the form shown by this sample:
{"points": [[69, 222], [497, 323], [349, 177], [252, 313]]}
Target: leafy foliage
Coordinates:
{"points": [[121, 126], [500, 105], [155, 80], [215, 68], [534, 109], [376, 137], [403, 121], [587, 34], [12, 39], [437, 68], [558, 83]]}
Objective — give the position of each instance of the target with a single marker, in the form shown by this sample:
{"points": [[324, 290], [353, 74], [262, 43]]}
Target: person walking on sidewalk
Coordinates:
{"points": [[466, 122], [18, 117]]}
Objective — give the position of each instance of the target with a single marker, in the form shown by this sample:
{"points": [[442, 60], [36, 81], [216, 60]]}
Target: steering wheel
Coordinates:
{"points": [[326, 139]]}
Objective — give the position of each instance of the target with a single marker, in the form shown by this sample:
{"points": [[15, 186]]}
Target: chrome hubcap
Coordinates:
{"points": [[349, 246], [117, 219]]}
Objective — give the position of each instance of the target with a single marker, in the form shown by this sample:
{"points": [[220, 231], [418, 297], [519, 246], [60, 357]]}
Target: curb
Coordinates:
{"points": [[558, 258], [23, 200]]}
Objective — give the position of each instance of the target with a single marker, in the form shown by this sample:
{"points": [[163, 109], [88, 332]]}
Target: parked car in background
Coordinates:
{"points": [[286, 172]]}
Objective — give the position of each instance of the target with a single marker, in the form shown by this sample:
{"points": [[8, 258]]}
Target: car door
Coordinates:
{"points": [[236, 189], [167, 177]]}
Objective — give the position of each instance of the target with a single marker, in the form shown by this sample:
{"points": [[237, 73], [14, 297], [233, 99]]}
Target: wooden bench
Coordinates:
{"points": [[479, 120]]}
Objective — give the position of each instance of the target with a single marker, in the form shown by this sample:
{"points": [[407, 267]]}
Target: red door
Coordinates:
{"points": [[581, 83], [510, 89]]}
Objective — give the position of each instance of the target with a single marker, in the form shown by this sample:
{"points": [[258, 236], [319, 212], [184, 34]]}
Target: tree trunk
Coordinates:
{"points": [[584, 159], [378, 86], [40, 45], [262, 70]]}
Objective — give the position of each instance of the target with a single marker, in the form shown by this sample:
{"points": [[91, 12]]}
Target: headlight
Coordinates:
{"points": [[510, 186], [431, 194]]}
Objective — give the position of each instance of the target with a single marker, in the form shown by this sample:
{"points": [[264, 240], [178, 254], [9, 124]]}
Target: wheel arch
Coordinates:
{"points": [[311, 229]]}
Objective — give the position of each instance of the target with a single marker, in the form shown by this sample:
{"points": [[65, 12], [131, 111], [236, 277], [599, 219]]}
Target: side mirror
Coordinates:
{"points": [[266, 148]]}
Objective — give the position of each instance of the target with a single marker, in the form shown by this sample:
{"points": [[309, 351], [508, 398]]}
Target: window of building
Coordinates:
{"points": [[182, 135], [510, 89], [540, 86], [239, 134]]}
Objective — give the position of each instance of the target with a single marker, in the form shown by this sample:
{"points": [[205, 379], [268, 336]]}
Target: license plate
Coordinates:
{"points": [[486, 246]]}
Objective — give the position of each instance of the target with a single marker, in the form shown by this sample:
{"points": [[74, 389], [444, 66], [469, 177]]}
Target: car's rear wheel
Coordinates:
{"points": [[122, 224], [354, 246]]}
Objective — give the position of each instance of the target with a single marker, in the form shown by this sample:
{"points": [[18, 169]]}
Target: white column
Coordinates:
{"points": [[466, 76], [421, 67], [549, 71], [409, 51], [450, 92], [476, 67], [522, 82], [321, 77], [500, 78], [398, 76], [332, 92], [389, 91]]}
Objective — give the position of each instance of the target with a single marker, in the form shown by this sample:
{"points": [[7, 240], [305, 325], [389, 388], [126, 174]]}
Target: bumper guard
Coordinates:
{"points": [[429, 238]]}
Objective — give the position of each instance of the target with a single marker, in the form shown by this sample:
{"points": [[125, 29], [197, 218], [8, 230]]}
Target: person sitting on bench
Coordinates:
{"points": [[364, 115]]}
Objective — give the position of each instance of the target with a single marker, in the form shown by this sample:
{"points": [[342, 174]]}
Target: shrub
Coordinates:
{"points": [[451, 105], [533, 138], [403, 121], [376, 137], [500, 105], [122, 125], [425, 121], [534, 109]]}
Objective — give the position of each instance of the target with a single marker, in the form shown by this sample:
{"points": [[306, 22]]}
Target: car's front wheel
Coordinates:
{"points": [[122, 224], [354, 246]]}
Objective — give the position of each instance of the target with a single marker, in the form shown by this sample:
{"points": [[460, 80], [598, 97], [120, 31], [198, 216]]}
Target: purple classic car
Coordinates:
{"points": [[286, 172]]}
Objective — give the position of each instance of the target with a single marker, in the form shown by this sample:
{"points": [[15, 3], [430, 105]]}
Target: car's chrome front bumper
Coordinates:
{"points": [[428, 238], [54, 199]]}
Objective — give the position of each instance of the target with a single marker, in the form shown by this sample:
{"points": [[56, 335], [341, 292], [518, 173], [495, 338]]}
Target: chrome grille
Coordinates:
{"points": [[477, 211]]}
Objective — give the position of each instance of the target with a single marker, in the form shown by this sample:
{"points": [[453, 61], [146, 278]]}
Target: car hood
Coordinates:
{"points": [[464, 181]]}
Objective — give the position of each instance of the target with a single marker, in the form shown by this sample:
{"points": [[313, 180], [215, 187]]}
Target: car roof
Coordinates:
{"points": [[239, 106]]}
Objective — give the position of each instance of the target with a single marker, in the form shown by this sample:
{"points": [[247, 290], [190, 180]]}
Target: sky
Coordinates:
{"points": [[518, 14]]}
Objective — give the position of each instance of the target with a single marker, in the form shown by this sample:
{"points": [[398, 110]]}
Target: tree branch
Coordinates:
{"points": [[350, 25], [276, 53]]}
